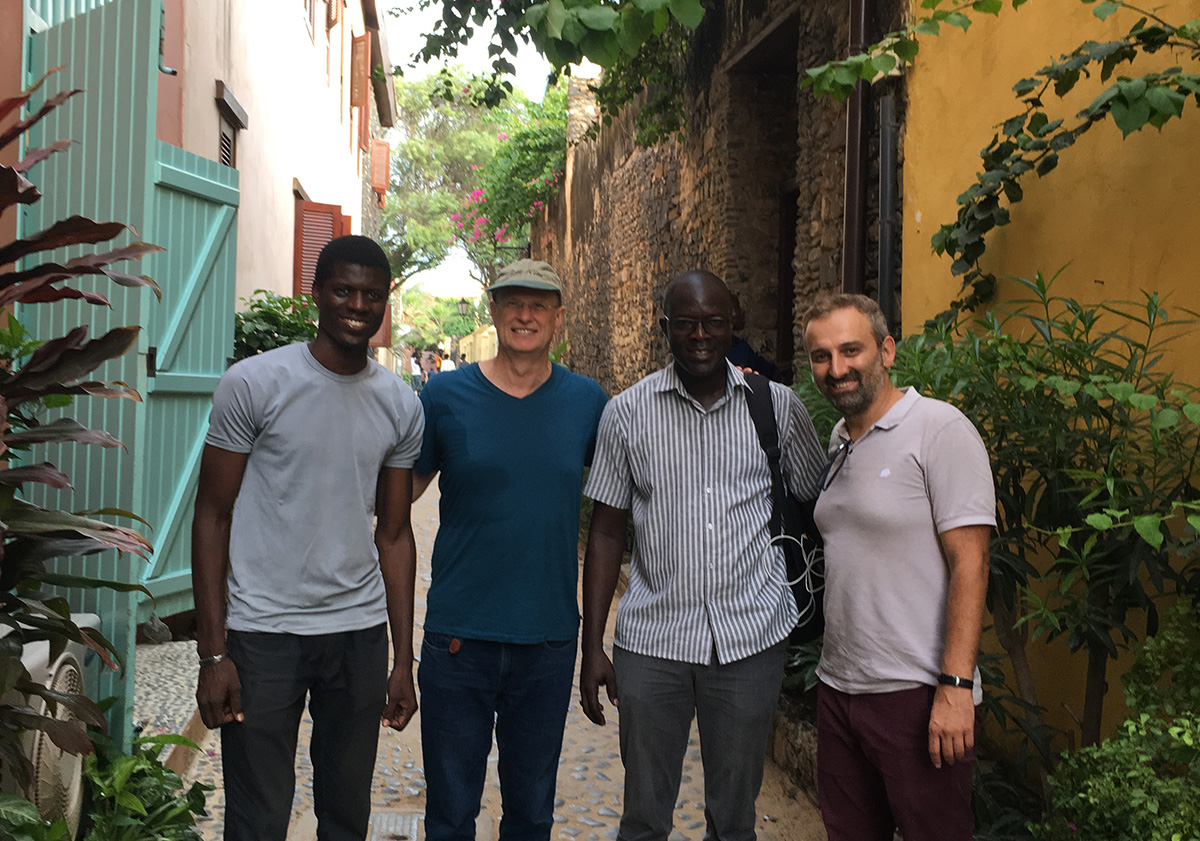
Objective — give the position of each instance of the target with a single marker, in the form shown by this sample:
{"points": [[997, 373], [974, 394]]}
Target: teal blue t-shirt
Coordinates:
{"points": [[505, 561]]}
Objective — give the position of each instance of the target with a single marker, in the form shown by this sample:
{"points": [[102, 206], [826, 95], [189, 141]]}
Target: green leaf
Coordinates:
{"points": [[687, 12], [883, 64], [1100, 522], [1025, 86], [988, 7], [1191, 411], [556, 15], [1194, 522], [1145, 402], [1105, 9], [600, 18], [1047, 164], [906, 49], [1166, 101], [650, 5], [18, 811], [959, 19], [1164, 419], [927, 27], [573, 30], [601, 47], [1149, 527], [535, 14]]}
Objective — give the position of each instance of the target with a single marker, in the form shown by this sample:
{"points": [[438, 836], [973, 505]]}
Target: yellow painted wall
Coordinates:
{"points": [[1124, 213]]}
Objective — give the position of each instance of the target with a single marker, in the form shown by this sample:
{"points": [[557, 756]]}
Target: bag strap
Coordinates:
{"points": [[762, 413]]}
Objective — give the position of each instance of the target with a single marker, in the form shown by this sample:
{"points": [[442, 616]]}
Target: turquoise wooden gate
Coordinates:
{"points": [[185, 203]]}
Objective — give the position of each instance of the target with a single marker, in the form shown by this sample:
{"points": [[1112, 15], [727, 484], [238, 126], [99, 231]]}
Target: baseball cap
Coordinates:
{"points": [[528, 274]]}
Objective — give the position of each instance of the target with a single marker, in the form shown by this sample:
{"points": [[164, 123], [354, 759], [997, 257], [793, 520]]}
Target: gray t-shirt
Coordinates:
{"points": [[920, 470], [302, 552]]}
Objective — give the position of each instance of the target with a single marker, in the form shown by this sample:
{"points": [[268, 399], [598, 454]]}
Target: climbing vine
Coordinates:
{"points": [[1032, 139]]}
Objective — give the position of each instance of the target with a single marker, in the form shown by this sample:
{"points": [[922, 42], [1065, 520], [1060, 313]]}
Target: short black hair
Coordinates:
{"points": [[356, 250]]}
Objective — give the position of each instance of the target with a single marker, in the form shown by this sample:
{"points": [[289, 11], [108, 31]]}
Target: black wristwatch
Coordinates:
{"points": [[956, 681]]}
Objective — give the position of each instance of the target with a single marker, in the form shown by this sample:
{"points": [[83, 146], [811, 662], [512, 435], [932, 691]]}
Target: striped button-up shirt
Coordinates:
{"points": [[703, 577]]}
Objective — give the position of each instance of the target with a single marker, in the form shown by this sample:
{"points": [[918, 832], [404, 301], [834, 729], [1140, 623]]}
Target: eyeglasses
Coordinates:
{"points": [[535, 307], [687, 326], [840, 457]]}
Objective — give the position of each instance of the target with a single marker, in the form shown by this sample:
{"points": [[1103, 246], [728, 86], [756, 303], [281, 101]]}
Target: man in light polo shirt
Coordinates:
{"points": [[906, 511], [702, 630]]}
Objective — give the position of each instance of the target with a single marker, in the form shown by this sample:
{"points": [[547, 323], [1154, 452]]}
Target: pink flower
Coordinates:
{"points": [[455, 217], [477, 193], [502, 136]]}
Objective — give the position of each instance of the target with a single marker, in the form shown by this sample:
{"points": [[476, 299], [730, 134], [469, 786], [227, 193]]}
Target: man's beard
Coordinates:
{"points": [[858, 401]]}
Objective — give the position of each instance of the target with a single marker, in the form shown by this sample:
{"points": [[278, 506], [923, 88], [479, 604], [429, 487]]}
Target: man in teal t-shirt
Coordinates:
{"points": [[510, 437]]}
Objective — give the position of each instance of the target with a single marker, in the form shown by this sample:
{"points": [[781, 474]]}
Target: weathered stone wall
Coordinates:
{"points": [[753, 191]]}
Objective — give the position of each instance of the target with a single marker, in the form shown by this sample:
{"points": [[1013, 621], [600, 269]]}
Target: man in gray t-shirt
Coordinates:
{"points": [[906, 511], [314, 442]]}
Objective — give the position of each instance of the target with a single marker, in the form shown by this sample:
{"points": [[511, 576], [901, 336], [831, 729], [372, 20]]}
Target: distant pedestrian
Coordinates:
{"points": [[702, 630], [307, 444], [906, 513], [510, 437]]}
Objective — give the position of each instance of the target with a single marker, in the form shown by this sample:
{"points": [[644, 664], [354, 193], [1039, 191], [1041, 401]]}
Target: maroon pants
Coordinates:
{"points": [[874, 773]]}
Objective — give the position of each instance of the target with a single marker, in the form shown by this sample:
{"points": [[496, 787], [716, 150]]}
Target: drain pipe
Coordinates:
{"points": [[854, 230], [887, 208]]}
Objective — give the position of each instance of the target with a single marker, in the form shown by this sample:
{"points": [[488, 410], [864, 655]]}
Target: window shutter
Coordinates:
{"points": [[316, 225], [333, 15], [360, 71], [383, 338], [381, 165]]}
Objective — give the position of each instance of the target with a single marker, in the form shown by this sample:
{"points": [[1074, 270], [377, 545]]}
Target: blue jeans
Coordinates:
{"points": [[524, 690]]}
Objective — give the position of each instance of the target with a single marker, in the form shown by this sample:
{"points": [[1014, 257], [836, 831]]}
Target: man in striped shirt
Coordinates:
{"points": [[702, 630]]}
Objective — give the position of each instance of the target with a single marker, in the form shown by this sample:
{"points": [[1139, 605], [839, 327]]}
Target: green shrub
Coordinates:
{"points": [[135, 798], [1143, 784], [272, 321]]}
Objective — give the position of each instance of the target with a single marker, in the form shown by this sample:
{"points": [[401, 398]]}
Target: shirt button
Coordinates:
{"points": [[710, 526], [708, 490]]}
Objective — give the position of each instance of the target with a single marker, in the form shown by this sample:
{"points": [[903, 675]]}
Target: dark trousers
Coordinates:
{"points": [[734, 707], [344, 677], [874, 773], [469, 686]]}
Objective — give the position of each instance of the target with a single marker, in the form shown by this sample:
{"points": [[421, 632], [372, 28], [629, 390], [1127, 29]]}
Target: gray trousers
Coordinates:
{"points": [[734, 706]]}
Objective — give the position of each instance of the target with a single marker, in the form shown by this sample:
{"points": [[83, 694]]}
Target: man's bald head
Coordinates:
{"points": [[694, 283]]}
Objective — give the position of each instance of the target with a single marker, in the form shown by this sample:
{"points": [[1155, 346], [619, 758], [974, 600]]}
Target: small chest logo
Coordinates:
{"points": [[883, 474]]}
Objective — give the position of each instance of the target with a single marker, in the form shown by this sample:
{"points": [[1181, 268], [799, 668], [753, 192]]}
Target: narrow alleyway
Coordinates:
{"points": [[590, 776]]}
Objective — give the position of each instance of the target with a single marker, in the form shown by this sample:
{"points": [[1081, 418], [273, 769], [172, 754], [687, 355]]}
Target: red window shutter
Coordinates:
{"points": [[347, 223], [316, 225], [360, 71], [381, 165], [383, 338]]}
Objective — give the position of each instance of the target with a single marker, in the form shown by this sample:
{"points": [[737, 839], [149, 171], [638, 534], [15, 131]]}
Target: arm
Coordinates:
{"points": [[601, 566], [398, 564], [218, 689], [952, 721], [421, 482]]}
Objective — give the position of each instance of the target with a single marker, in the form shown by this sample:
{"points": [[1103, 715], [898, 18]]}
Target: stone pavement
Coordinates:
{"points": [[590, 779]]}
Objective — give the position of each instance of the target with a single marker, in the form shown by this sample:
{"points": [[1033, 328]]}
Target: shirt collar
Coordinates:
{"points": [[734, 380], [891, 418]]}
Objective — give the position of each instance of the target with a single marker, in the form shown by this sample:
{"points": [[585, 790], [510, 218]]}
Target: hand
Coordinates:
{"points": [[219, 694], [401, 699], [951, 725], [597, 671], [745, 369]]}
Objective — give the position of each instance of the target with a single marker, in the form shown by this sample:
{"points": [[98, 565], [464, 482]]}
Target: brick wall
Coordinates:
{"points": [[753, 191]]}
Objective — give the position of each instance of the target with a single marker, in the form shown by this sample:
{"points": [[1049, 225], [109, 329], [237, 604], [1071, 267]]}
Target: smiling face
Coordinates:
{"points": [[352, 302], [849, 366], [526, 320], [698, 313]]}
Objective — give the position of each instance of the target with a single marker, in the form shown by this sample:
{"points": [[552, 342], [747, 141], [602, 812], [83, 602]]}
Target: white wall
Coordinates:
{"points": [[299, 121]]}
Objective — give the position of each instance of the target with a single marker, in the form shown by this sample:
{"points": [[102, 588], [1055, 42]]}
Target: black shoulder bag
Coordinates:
{"points": [[791, 520]]}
